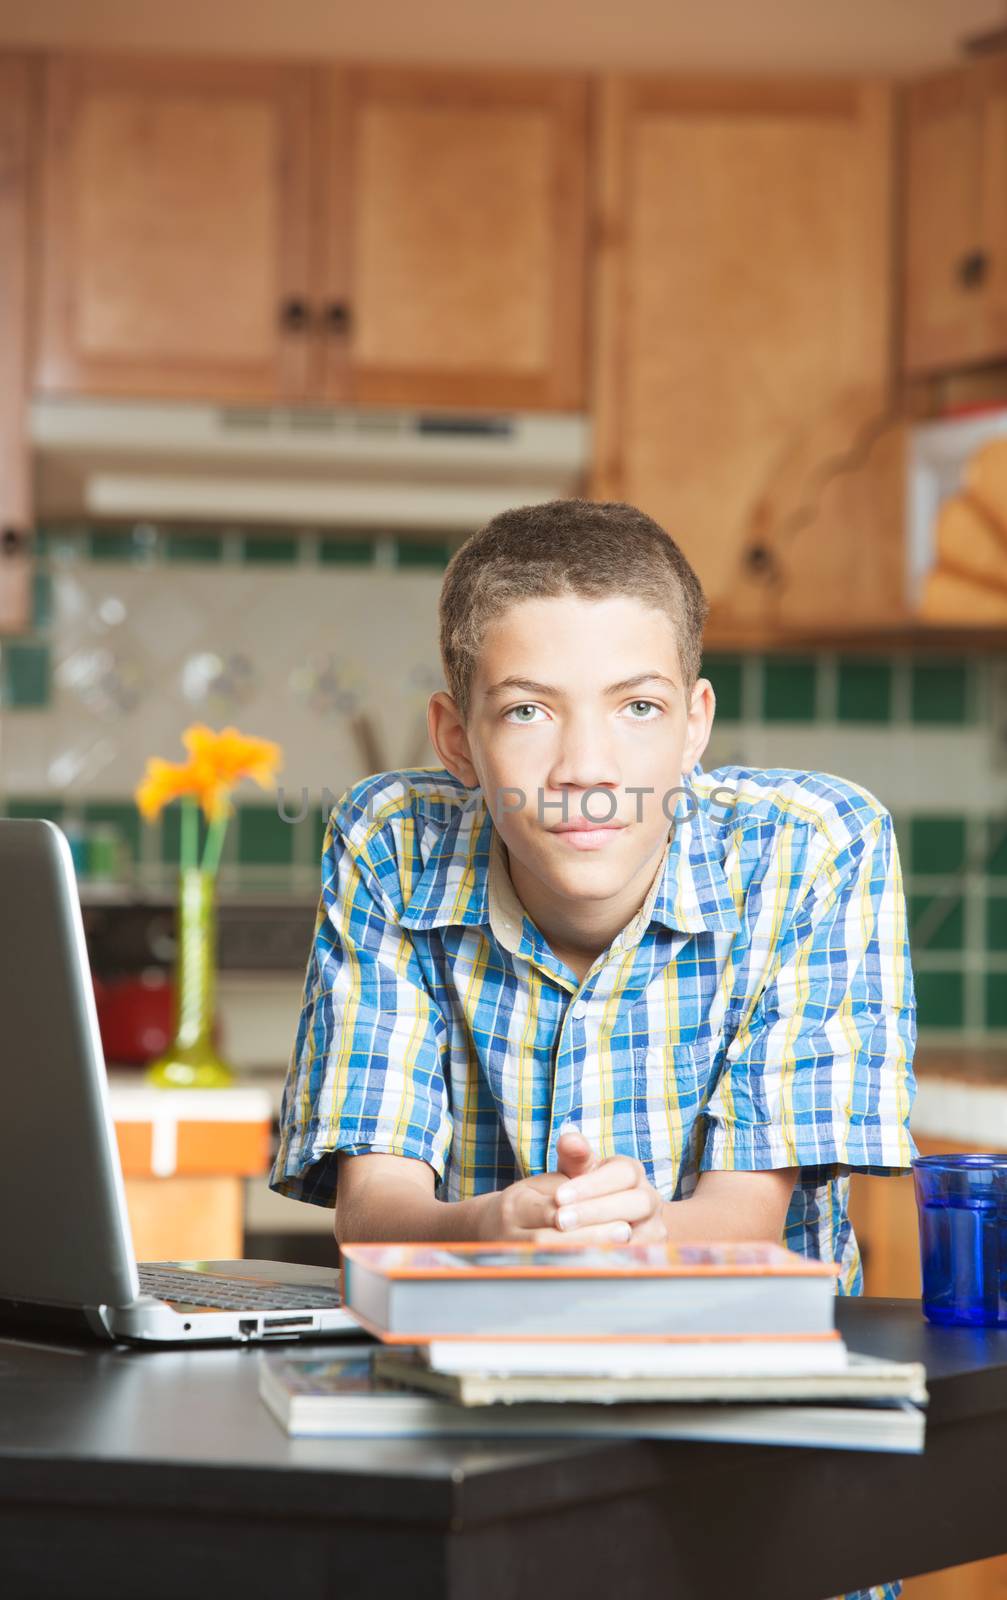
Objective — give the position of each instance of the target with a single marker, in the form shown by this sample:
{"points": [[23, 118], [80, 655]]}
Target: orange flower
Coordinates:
{"points": [[217, 761], [162, 782], [229, 756]]}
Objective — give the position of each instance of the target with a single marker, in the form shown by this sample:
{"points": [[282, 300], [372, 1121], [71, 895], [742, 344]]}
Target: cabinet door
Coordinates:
{"points": [[176, 229], [947, 254], [15, 498], [454, 266], [744, 333]]}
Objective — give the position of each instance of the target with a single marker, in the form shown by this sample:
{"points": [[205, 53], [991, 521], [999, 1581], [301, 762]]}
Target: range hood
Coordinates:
{"points": [[329, 467]]}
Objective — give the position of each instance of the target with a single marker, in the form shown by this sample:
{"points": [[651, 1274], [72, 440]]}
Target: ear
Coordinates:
{"points": [[699, 724], [449, 739]]}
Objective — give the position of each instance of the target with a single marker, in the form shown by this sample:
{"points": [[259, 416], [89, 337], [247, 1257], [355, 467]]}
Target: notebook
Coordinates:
{"points": [[413, 1292], [69, 1263]]}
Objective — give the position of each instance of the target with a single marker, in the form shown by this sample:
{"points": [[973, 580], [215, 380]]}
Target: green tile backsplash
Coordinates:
{"points": [[416, 553], [940, 692], [864, 691], [116, 544], [42, 805], [24, 674], [265, 838], [41, 600], [725, 673], [996, 1000], [940, 998], [996, 847], [947, 925], [996, 922], [936, 844], [270, 549], [120, 815], [195, 546], [346, 552], [789, 689]]}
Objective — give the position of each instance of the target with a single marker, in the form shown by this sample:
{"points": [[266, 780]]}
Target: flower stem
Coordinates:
{"points": [[215, 841], [189, 842]]}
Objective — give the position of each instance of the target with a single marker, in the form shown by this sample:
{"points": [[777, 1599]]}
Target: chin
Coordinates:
{"points": [[588, 878]]}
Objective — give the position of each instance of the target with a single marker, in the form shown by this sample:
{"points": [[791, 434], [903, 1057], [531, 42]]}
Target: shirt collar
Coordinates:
{"points": [[465, 879]]}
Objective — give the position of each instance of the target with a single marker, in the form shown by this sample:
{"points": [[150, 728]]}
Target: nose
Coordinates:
{"points": [[585, 759]]}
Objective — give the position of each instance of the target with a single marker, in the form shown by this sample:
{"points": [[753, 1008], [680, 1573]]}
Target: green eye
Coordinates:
{"points": [[522, 708], [651, 706]]}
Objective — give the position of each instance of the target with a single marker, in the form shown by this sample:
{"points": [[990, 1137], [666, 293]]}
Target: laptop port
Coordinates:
{"points": [[287, 1322], [247, 1326]]}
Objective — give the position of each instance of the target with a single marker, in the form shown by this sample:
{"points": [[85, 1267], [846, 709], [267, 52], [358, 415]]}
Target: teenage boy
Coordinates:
{"points": [[567, 980]]}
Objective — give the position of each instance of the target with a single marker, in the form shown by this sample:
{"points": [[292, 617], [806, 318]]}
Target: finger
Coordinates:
{"points": [[574, 1156], [628, 1205], [604, 1233], [618, 1172], [535, 1208]]}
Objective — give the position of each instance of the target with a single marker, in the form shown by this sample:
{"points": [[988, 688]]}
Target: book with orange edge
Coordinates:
{"points": [[411, 1293]]}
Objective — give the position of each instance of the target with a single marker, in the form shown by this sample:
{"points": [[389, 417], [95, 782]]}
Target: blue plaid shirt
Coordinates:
{"points": [[758, 1011]]}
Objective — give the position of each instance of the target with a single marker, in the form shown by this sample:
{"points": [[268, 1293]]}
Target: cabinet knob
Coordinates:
{"points": [[295, 315], [337, 316], [973, 268], [12, 542], [760, 561]]}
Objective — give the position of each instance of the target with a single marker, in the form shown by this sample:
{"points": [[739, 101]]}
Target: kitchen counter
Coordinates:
{"points": [[186, 1157], [961, 1096]]}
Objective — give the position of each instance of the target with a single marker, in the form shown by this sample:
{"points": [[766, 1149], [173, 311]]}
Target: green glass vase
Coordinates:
{"points": [[191, 1060]]}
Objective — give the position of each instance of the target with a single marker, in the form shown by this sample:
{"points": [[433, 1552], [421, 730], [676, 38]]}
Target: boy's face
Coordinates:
{"points": [[573, 725]]}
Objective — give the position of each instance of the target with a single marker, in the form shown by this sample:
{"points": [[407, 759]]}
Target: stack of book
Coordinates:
{"points": [[728, 1341]]}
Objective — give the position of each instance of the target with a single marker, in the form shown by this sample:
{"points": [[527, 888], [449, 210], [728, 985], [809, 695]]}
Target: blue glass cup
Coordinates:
{"points": [[962, 1205]]}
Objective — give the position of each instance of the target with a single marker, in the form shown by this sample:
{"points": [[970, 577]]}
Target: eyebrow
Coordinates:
{"points": [[530, 686]]}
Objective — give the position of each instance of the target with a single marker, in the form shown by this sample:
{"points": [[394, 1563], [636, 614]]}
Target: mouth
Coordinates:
{"points": [[588, 837]]}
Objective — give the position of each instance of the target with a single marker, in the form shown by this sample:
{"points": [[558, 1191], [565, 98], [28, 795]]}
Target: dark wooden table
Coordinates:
{"points": [[129, 1473]]}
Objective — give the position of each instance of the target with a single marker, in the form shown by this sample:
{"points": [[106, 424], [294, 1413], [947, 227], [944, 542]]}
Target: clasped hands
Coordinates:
{"points": [[588, 1200]]}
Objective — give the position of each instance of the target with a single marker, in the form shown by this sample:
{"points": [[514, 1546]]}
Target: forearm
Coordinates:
{"points": [[716, 1215], [390, 1211]]}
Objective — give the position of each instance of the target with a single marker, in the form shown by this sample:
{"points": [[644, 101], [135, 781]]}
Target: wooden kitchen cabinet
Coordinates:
{"points": [[270, 233], [742, 358], [455, 237], [176, 226], [16, 106], [956, 219]]}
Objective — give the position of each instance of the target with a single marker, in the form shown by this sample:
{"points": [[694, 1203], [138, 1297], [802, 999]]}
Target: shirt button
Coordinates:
{"points": [[579, 1008]]}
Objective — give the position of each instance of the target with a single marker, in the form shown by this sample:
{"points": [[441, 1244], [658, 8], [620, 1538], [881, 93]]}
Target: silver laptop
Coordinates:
{"points": [[66, 1251]]}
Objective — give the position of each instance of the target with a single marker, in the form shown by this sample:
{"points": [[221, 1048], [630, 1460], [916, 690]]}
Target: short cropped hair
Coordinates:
{"points": [[589, 548]]}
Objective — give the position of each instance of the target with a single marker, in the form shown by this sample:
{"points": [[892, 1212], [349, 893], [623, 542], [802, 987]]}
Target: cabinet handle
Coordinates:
{"points": [[760, 561], [337, 316], [295, 315], [972, 269]]}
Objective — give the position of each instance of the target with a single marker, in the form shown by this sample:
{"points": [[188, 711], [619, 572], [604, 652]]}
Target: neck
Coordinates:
{"points": [[577, 932]]}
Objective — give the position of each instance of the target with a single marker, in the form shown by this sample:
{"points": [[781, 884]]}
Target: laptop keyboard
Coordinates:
{"points": [[228, 1294]]}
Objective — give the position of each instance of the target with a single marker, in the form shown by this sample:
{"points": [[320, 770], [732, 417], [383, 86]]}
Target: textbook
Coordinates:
{"points": [[410, 1293], [860, 1378], [341, 1395]]}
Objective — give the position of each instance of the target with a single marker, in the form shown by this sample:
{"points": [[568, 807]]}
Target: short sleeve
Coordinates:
{"points": [[819, 1074], [367, 1071]]}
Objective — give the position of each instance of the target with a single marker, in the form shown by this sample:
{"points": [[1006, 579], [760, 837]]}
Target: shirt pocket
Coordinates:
{"points": [[671, 1085]]}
